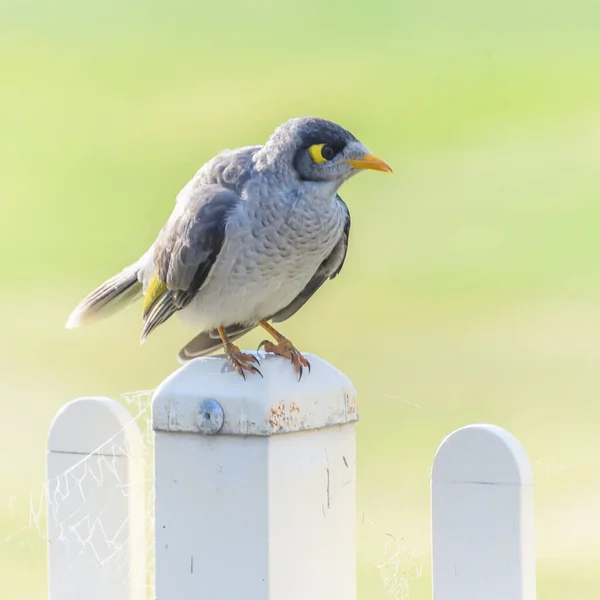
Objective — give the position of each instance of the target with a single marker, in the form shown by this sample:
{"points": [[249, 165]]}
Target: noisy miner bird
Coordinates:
{"points": [[252, 237]]}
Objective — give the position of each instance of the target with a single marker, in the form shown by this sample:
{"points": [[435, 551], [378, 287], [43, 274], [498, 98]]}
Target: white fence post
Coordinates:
{"points": [[255, 483], [482, 517], [95, 504]]}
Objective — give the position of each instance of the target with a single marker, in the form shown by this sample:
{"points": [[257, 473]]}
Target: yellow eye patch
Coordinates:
{"points": [[315, 153], [321, 153]]}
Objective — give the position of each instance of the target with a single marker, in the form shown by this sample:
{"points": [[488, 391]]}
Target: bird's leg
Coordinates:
{"points": [[238, 359], [284, 348]]}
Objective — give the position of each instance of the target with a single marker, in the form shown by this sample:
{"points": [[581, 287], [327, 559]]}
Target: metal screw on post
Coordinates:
{"points": [[209, 416]]}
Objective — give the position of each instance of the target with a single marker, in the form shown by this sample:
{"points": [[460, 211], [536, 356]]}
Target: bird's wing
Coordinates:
{"points": [[230, 169], [186, 250], [328, 269]]}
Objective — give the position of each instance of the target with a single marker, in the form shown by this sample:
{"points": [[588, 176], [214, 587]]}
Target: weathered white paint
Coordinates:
{"points": [[95, 505], [322, 398], [482, 517], [265, 508]]}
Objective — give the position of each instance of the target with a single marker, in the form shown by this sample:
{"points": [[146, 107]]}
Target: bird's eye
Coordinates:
{"points": [[327, 152], [321, 153]]}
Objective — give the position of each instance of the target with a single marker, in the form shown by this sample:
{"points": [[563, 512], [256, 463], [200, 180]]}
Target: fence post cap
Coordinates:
{"points": [[274, 404], [485, 454], [95, 425]]}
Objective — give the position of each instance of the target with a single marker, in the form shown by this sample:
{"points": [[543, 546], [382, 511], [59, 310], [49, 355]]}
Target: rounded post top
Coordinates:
{"points": [[273, 404], [484, 454], [95, 425]]}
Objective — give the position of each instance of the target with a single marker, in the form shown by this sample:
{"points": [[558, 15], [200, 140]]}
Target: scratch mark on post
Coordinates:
{"points": [[192, 565], [340, 488], [328, 479], [345, 461]]}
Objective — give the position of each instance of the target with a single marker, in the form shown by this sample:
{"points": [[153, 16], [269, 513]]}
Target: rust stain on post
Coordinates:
{"points": [[350, 403], [282, 419]]}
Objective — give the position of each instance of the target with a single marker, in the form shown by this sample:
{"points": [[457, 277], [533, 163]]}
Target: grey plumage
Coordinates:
{"points": [[186, 250], [328, 269], [114, 294], [208, 341], [252, 237]]}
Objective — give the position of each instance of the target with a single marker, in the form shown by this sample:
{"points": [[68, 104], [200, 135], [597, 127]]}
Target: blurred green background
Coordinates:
{"points": [[471, 292]]}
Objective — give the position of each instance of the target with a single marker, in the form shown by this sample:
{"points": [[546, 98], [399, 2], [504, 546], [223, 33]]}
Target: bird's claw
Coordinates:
{"points": [[286, 349], [241, 361]]}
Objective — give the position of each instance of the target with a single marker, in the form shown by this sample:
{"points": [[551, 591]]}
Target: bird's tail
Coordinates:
{"points": [[113, 295], [208, 341]]}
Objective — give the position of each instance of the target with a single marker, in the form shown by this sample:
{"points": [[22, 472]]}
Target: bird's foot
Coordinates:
{"points": [[285, 348], [240, 361]]}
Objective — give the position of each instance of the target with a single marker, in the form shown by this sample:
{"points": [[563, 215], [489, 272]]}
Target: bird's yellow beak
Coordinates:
{"points": [[370, 161]]}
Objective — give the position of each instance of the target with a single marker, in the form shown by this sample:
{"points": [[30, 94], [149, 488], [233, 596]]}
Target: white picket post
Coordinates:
{"points": [[95, 503], [482, 517], [255, 483]]}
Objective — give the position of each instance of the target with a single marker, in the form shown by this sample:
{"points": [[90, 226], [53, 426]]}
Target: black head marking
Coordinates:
{"points": [[309, 131], [312, 131]]}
